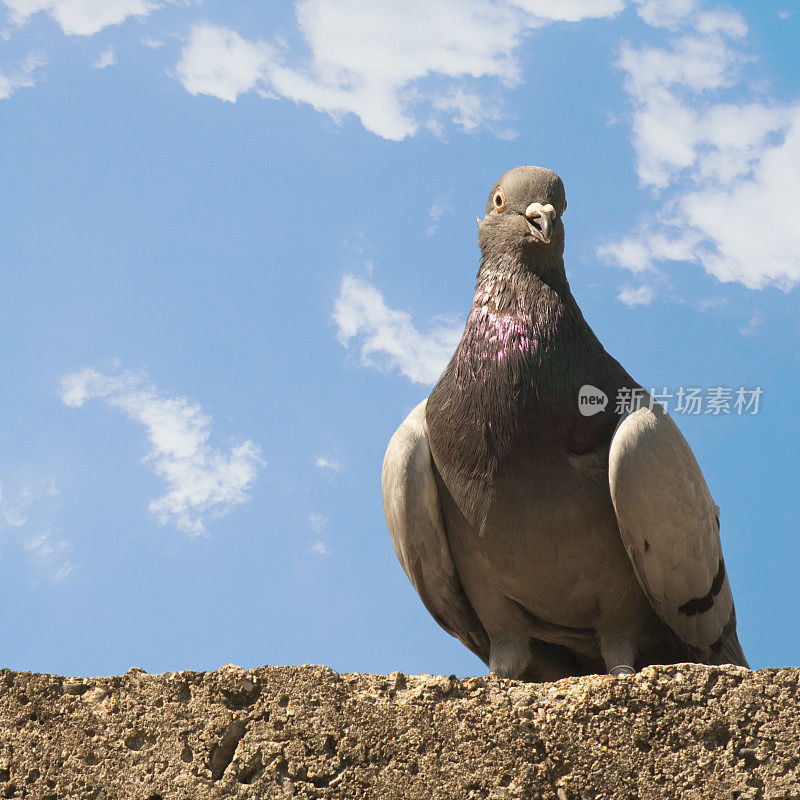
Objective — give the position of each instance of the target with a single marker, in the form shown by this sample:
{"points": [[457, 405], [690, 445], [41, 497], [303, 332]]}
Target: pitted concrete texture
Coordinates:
{"points": [[683, 731]]}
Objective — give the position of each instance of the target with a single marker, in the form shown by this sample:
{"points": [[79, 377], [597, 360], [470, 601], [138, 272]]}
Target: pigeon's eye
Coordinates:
{"points": [[499, 200]]}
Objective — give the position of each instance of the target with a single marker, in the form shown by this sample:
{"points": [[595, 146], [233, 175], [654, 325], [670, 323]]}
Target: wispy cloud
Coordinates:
{"points": [[152, 42], [719, 159], [15, 510], [375, 60], [674, 14], [641, 254], [22, 75], [105, 58], [328, 464], [318, 522], [710, 303], [82, 17], [202, 480], [752, 326], [387, 338], [28, 511], [50, 555], [319, 549], [436, 213], [637, 296]]}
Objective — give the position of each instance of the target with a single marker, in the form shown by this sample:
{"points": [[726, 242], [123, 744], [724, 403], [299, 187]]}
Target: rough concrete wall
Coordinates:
{"points": [[682, 731]]}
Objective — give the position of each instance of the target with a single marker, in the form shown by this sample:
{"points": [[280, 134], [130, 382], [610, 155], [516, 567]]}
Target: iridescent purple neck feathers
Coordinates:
{"points": [[513, 381], [514, 320]]}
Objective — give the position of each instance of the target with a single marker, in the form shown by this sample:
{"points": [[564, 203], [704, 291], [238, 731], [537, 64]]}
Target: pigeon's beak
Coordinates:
{"points": [[540, 221]]}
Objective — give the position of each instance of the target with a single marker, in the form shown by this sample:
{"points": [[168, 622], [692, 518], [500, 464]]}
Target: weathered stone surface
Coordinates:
{"points": [[683, 731]]}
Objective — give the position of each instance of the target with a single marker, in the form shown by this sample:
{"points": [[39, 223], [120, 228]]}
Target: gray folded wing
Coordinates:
{"points": [[670, 526], [414, 517]]}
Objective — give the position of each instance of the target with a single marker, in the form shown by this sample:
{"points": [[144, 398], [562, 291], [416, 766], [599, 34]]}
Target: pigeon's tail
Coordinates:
{"points": [[727, 649]]}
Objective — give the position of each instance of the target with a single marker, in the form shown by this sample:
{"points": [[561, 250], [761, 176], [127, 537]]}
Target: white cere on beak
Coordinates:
{"points": [[537, 209], [540, 220]]}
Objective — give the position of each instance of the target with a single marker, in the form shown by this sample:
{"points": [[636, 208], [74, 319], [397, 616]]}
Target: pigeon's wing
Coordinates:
{"points": [[670, 527], [414, 517]]}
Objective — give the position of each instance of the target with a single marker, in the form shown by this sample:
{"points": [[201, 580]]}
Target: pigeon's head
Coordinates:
{"points": [[524, 213]]}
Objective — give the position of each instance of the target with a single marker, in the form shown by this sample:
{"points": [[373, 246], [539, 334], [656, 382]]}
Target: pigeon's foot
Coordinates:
{"points": [[509, 655], [622, 669], [619, 653]]}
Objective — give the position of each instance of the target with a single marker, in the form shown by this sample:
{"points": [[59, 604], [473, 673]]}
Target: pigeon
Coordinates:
{"points": [[553, 540]]}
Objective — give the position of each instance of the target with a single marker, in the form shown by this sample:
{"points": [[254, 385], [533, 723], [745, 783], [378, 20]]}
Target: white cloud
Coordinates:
{"points": [[751, 226], [629, 253], [376, 61], [570, 10], [106, 58], [22, 76], [719, 20], [152, 42], [319, 549], [218, 62], [694, 62], [672, 14], [665, 13], [387, 338], [675, 128], [717, 162], [201, 479], [640, 253], [637, 296], [366, 58], [784, 14], [326, 463], [82, 17]]}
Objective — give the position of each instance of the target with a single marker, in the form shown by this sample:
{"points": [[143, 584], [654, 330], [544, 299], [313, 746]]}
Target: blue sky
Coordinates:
{"points": [[238, 244]]}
